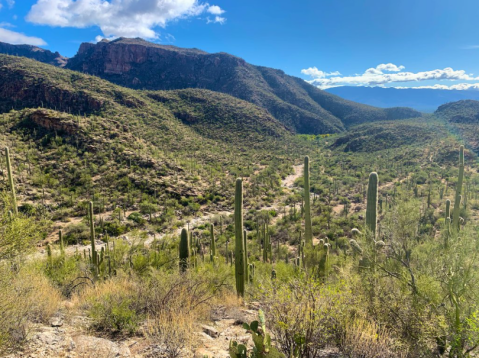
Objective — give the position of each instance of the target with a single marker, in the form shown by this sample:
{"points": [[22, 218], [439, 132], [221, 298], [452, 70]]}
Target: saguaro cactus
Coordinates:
{"points": [[457, 201], [62, 246], [92, 232], [246, 266], [184, 250], [448, 208], [372, 203], [239, 240], [308, 232], [212, 243], [11, 183]]}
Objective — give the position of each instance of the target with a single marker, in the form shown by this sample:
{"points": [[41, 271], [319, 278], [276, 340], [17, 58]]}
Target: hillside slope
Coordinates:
{"points": [[463, 119], [76, 129]]}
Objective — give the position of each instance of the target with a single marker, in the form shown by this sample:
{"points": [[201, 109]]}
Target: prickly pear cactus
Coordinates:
{"points": [[263, 347]]}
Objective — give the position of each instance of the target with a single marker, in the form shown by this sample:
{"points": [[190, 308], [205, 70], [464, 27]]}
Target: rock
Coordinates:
{"points": [[56, 322], [89, 346], [211, 331]]}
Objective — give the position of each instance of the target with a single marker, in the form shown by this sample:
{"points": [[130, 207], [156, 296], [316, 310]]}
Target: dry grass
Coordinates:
{"points": [[363, 339], [26, 296]]}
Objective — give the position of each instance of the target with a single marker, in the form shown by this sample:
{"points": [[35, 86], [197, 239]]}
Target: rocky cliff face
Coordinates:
{"points": [[33, 52]]}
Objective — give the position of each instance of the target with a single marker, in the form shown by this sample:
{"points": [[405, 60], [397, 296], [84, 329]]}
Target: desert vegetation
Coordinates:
{"points": [[140, 217]]}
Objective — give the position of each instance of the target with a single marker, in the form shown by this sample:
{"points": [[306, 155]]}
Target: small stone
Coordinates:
{"points": [[56, 322], [211, 331]]}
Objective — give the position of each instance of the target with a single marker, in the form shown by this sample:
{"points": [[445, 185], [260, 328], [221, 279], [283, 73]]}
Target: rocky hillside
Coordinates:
{"points": [[34, 52], [465, 111], [463, 118], [303, 108]]}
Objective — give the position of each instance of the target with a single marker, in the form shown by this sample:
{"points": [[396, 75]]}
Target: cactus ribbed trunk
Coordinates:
{"points": [[308, 231], [448, 208], [213, 243], [184, 250], [372, 203], [92, 232], [239, 240], [11, 183], [62, 246], [246, 265], [457, 201]]}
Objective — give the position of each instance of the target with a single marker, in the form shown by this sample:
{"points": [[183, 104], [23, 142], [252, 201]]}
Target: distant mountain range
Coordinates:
{"points": [[424, 100], [139, 64]]}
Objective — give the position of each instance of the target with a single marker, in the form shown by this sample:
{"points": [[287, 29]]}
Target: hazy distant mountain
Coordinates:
{"points": [[425, 100], [304, 108]]}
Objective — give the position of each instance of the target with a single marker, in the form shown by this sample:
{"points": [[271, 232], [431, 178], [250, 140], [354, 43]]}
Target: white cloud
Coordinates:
{"points": [[215, 10], [115, 18], [457, 87], [375, 76], [315, 73], [217, 20], [1, 6], [18, 38]]}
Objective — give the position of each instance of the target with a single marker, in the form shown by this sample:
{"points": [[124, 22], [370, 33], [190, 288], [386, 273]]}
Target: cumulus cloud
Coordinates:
{"points": [[384, 74], [128, 18], [18, 38], [315, 73], [215, 10]]}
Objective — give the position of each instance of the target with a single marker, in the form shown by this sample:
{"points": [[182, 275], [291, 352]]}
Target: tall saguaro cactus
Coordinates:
{"points": [[11, 183], [213, 243], [239, 240], [372, 203], [92, 232], [184, 250], [308, 232], [246, 265], [457, 201]]}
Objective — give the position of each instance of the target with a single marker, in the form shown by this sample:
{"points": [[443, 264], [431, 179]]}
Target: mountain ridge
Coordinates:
{"points": [[139, 64]]}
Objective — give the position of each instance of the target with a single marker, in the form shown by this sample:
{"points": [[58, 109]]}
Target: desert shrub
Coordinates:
{"points": [[76, 233], [173, 332], [365, 339], [306, 316], [112, 305]]}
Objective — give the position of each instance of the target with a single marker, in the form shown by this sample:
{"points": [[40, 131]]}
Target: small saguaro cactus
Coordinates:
{"points": [[62, 246], [457, 201], [448, 208], [239, 240], [308, 232], [11, 183], [372, 203], [184, 250]]}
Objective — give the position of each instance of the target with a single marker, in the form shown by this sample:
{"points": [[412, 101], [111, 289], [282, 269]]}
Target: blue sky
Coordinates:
{"points": [[401, 43]]}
